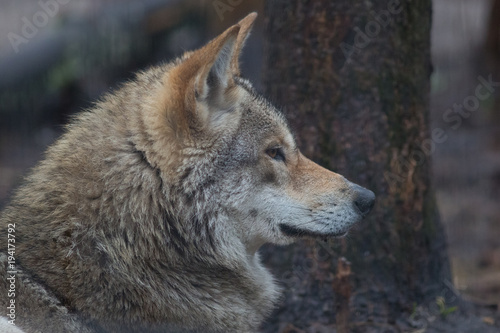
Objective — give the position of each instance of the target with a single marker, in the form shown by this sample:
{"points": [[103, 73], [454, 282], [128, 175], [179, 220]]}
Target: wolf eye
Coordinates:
{"points": [[276, 154]]}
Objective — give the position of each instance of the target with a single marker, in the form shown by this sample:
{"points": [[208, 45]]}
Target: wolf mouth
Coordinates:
{"points": [[297, 232]]}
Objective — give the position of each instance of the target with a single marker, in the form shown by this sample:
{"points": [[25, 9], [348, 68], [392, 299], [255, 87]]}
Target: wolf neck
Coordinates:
{"points": [[217, 253], [252, 247]]}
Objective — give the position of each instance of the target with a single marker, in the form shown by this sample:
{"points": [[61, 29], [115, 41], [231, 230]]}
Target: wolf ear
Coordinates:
{"points": [[200, 90], [227, 53], [214, 75], [245, 27]]}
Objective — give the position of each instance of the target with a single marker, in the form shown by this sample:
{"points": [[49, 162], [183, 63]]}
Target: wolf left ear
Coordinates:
{"points": [[200, 90], [226, 61]]}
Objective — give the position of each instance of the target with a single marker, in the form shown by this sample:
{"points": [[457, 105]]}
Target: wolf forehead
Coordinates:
{"points": [[258, 112]]}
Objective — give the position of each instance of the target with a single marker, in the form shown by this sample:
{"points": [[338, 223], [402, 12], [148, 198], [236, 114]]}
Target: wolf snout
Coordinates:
{"points": [[363, 199]]}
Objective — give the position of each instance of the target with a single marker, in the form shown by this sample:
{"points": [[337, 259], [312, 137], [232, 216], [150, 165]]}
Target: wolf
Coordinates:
{"points": [[148, 213]]}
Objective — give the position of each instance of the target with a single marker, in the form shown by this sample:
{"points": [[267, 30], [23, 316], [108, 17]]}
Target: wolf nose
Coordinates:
{"points": [[364, 200]]}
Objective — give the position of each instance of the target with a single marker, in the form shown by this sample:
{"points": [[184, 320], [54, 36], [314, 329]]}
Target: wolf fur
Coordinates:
{"points": [[147, 214]]}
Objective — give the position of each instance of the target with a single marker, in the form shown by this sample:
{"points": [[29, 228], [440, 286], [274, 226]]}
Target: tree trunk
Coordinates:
{"points": [[353, 78], [493, 50], [493, 34]]}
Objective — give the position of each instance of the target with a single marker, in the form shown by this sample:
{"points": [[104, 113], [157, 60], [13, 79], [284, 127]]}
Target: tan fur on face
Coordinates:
{"points": [[308, 177]]}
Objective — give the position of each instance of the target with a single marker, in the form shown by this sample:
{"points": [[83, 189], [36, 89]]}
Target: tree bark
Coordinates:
{"points": [[353, 78], [493, 51], [493, 34]]}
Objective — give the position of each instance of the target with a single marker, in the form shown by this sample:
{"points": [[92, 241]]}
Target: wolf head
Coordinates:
{"points": [[215, 134]]}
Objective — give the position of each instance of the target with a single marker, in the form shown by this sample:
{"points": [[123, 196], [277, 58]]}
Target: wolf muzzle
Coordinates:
{"points": [[364, 199]]}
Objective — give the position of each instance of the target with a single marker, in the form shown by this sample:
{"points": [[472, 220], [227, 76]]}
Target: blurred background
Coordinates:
{"points": [[58, 56]]}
